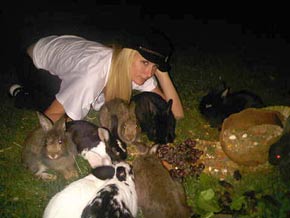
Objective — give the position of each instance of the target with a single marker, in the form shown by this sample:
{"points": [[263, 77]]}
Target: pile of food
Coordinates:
{"points": [[181, 159]]}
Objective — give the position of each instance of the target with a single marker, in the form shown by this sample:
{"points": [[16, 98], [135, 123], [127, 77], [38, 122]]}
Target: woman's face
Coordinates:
{"points": [[142, 69]]}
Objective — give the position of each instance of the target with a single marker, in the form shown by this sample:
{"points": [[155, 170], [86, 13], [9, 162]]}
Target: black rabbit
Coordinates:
{"points": [[279, 153], [155, 117], [219, 103]]}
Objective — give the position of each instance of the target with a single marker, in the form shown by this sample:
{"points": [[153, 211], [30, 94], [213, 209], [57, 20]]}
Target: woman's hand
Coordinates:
{"points": [[55, 111]]}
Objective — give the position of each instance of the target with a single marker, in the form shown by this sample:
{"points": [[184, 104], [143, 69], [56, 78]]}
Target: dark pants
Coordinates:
{"points": [[40, 87]]}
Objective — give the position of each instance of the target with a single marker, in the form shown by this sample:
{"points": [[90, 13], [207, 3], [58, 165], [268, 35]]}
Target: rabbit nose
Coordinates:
{"points": [[53, 156]]}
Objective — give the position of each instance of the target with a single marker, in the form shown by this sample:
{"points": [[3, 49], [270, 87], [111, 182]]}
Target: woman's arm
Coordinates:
{"points": [[168, 91], [55, 111], [30, 50]]}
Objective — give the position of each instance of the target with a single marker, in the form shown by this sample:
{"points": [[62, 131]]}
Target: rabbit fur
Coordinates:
{"points": [[158, 194], [96, 144], [155, 117], [86, 197], [219, 103], [279, 153], [127, 125], [116, 198], [49, 147]]}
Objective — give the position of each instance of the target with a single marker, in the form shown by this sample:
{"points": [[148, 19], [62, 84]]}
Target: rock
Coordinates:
{"points": [[247, 136]]}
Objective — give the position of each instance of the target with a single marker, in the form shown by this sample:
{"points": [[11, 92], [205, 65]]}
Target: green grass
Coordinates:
{"points": [[22, 195]]}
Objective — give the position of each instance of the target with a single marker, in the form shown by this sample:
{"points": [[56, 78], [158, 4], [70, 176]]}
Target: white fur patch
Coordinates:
{"points": [[97, 156]]}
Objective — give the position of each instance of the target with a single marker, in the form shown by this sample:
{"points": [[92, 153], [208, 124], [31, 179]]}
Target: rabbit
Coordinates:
{"points": [[155, 117], [81, 197], [127, 125], [71, 201], [219, 103], [158, 194], [279, 153], [116, 198], [88, 137], [49, 147]]}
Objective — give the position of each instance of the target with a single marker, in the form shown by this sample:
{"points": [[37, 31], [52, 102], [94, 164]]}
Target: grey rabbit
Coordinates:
{"points": [[50, 147], [158, 194], [127, 125]]}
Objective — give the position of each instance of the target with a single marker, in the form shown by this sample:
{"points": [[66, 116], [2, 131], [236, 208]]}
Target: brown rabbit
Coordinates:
{"points": [[128, 129], [158, 194], [50, 147]]}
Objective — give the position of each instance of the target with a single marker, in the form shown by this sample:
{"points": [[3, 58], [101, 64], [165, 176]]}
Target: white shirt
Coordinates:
{"points": [[83, 66]]}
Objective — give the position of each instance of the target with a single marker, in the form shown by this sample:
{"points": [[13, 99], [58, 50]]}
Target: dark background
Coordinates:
{"points": [[258, 31]]}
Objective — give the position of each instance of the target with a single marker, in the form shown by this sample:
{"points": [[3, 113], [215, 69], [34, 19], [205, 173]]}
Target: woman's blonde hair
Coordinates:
{"points": [[119, 83]]}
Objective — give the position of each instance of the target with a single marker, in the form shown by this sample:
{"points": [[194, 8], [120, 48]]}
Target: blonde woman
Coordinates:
{"points": [[79, 74]]}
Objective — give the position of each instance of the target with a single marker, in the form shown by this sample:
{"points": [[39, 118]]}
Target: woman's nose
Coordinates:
{"points": [[150, 71]]}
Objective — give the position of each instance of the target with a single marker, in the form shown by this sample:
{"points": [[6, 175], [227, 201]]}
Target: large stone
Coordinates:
{"points": [[247, 136]]}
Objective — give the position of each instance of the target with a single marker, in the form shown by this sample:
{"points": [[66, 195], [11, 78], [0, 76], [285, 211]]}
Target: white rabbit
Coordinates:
{"points": [[71, 201]]}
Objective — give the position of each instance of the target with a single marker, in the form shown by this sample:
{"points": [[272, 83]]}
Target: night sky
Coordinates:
{"points": [[209, 26]]}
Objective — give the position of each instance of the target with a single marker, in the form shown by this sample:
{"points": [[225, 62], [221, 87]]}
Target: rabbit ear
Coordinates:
{"points": [[169, 105], [44, 121], [60, 124], [153, 149], [225, 93], [103, 134], [104, 116], [141, 147], [104, 172], [132, 108], [114, 125]]}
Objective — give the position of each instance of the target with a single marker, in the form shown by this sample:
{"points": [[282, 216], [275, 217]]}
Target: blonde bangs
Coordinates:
{"points": [[119, 83]]}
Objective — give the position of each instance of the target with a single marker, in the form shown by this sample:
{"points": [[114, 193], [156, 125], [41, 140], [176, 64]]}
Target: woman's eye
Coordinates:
{"points": [[145, 62]]}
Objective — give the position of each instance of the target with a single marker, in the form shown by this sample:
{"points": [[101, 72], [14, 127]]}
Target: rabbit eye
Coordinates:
{"points": [[60, 141]]}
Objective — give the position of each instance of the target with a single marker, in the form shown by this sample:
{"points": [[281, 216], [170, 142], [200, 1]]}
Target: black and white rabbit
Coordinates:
{"points": [[219, 103], [155, 117], [116, 198], [158, 194], [50, 147], [96, 143], [86, 197]]}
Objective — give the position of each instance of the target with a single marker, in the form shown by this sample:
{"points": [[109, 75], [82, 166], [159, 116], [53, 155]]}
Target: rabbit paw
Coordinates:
{"points": [[46, 176], [70, 174]]}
